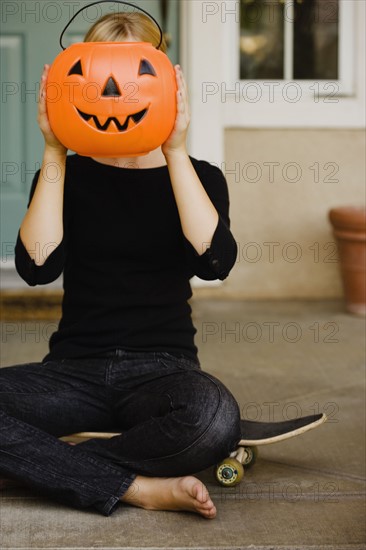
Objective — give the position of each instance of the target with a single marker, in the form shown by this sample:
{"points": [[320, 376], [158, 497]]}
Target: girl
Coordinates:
{"points": [[128, 234]]}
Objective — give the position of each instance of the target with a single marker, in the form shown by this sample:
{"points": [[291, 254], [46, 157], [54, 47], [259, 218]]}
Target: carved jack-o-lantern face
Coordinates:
{"points": [[112, 98]]}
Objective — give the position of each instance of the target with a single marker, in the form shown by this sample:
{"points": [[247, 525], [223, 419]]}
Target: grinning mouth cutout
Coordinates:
{"points": [[137, 117]]}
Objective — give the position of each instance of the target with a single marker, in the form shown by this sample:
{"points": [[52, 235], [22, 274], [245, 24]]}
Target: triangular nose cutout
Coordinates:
{"points": [[111, 88]]}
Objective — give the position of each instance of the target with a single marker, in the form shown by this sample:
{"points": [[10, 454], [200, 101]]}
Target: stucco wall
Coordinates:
{"points": [[282, 184]]}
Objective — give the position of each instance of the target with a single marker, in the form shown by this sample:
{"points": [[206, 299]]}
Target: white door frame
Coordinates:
{"points": [[201, 60]]}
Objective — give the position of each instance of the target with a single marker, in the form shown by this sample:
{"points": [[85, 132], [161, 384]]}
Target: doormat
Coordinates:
{"points": [[21, 305]]}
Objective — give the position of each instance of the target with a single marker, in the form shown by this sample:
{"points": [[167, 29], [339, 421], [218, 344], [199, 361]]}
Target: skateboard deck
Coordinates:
{"points": [[265, 433], [253, 432]]}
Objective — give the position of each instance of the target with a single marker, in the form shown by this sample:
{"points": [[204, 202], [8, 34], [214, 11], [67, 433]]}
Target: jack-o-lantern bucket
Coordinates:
{"points": [[111, 98]]}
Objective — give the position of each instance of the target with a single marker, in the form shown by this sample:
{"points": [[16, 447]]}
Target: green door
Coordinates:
{"points": [[29, 38]]}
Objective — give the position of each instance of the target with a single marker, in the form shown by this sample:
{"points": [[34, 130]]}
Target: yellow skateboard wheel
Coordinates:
{"points": [[229, 472]]}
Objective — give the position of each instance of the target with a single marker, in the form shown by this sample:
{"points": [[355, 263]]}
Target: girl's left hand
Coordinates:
{"points": [[176, 142]]}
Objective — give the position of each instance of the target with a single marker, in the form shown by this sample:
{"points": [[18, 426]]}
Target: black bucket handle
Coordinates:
{"points": [[117, 2]]}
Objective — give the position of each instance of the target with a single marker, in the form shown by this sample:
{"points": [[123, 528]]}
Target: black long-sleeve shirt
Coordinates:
{"points": [[125, 261]]}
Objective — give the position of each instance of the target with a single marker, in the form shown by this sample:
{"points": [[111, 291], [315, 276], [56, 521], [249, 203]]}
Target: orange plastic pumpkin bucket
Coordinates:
{"points": [[111, 99]]}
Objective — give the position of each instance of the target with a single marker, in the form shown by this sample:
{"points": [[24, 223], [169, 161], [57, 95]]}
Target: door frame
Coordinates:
{"points": [[202, 61]]}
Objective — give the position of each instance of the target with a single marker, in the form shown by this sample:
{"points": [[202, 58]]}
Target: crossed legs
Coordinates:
{"points": [[175, 420]]}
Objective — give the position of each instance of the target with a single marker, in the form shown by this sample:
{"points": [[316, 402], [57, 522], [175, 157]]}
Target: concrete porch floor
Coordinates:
{"points": [[280, 359]]}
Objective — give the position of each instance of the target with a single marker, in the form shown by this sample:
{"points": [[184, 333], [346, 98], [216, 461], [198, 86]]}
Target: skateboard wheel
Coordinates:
{"points": [[229, 472], [251, 456]]}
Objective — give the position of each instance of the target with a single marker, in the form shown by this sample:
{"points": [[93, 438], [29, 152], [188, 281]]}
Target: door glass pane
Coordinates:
{"points": [[261, 39], [316, 39]]}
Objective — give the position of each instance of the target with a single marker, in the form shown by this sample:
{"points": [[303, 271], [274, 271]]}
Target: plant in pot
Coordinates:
{"points": [[349, 228]]}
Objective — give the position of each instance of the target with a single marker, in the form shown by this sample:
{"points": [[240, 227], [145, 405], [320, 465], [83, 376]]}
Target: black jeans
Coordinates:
{"points": [[175, 420]]}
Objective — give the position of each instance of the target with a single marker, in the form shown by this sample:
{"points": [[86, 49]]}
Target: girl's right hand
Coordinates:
{"points": [[51, 140]]}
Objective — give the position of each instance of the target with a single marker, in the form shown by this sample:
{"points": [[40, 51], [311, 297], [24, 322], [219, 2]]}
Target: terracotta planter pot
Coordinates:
{"points": [[349, 228]]}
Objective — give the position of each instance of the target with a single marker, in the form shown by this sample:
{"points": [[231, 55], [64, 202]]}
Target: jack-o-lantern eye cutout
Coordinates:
{"points": [[146, 68], [76, 69], [113, 98]]}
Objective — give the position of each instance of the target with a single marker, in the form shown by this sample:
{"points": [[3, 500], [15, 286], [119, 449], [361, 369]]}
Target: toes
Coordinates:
{"points": [[203, 502], [200, 493], [207, 505], [210, 513]]}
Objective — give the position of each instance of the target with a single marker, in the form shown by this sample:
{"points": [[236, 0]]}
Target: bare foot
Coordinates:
{"points": [[173, 493]]}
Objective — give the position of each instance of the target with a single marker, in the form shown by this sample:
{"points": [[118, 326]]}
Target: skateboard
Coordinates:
{"points": [[230, 471]]}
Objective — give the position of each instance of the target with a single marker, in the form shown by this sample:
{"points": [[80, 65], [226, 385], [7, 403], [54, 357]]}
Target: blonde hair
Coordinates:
{"points": [[122, 27]]}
